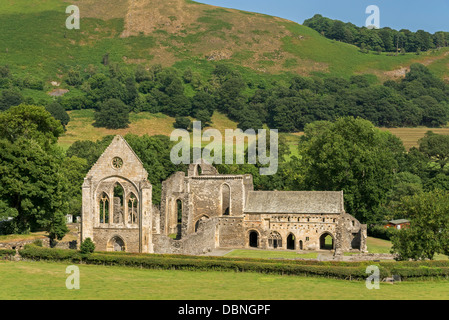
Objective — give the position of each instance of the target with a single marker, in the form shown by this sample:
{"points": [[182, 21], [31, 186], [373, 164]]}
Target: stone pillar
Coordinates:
{"points": [[88, 211], [145, 218]]}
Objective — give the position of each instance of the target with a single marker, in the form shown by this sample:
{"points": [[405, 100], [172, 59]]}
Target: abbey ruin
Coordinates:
{"points": [[204, 210]]}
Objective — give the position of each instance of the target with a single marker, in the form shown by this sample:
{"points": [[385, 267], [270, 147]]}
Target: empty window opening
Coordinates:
{"points": [[179, 225], [225, 199], [104, 208], [132, 209], [118, 209]]}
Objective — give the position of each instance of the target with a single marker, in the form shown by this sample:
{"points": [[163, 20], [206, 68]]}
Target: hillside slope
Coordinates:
{"points": [[182, 33]]}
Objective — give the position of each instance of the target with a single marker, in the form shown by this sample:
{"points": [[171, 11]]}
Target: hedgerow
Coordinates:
{"points": [[7, 253], [331, 269]]}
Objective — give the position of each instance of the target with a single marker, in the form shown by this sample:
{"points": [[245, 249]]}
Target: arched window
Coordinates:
{"points": [[104, 208], [118, 207], [225, 200], [133, 209], [179, 225], [198, 170], [274, 240]]}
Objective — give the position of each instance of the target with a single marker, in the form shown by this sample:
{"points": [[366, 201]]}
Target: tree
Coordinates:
{"points": [[429, 226], [350, 155], [436, 147], [73, 171], [74, 78], [113, 114], [89, 150], [31, 184], [87, 246], [9, 98], [182, 123], [59, 113], [30, 122], [204, 117]]}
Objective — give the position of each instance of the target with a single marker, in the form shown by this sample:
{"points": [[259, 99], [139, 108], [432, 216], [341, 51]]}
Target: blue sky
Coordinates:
{"points": [[429, 15]]}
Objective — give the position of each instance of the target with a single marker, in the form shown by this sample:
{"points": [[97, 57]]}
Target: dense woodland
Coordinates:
{"points": [[379, 40], [419, 99]]}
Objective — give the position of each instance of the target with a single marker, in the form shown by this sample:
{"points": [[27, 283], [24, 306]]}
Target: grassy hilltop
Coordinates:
{"points": [[179, 33]]}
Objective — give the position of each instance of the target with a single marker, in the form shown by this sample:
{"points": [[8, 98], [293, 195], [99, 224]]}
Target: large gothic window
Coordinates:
{"points": [[118, 204]]}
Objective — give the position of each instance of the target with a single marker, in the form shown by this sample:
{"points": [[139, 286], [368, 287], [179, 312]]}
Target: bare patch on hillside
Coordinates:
{"points": [[101, 9], [147, 16]]}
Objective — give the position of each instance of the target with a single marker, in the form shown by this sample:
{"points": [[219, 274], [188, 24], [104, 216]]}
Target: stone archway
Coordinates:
{"points": [[253, 239], [116, 244], [291, 242], [327, 241]]}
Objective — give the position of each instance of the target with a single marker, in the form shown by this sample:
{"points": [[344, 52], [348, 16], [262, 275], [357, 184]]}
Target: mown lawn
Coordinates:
{"points": [[46, 281]]}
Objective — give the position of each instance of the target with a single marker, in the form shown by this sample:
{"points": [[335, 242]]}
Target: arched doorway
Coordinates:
{"points": [[253, 239], [116, 244], [300, 245], [291, 242], [326, 241]]}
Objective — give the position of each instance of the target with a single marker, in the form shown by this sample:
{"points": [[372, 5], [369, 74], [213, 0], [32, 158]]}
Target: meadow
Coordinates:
{"points": [[47, 281], [80, 128]]}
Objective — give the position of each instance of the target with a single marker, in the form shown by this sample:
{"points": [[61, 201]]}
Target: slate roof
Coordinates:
{"points": [[294, 202]]}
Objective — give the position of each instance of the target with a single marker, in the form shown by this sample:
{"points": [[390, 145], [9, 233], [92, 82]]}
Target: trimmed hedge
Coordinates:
{"points": [[200, 263], [7, 253], [332, 269]]}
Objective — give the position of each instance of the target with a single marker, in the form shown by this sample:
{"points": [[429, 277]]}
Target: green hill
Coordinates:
{"points": [[181, 33]]}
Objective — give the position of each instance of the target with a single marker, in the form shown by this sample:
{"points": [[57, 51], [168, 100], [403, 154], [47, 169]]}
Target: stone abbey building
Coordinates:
{"points": [[204, 210]]}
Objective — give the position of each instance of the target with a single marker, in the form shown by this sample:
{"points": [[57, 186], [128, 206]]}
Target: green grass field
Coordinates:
{"points": [[46, 281]]}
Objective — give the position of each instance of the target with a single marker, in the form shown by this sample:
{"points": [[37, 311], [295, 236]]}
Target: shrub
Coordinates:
{"points": [[37, 243], [87, 246], [6, 253], [381, 232]]}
